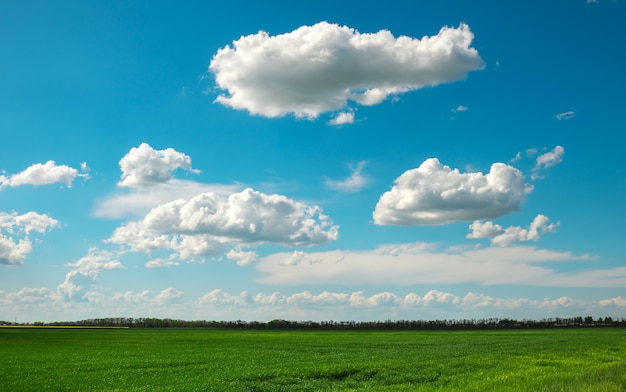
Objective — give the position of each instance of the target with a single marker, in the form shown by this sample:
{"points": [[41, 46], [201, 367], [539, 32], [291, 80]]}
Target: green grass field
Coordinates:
{"points": [[243, 360]]}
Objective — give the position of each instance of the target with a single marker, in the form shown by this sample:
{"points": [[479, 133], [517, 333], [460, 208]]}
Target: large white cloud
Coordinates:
{"points": [[319, 68], [44, 174], [15, 244], [505, 237], [435, 194], [145, 166], [198, 226]]}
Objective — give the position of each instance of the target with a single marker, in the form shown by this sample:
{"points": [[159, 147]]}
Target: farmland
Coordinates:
{"points": [[245, 360]]}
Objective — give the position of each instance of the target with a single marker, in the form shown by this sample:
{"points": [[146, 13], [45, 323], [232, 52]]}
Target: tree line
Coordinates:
{"points": [[460, 324]]}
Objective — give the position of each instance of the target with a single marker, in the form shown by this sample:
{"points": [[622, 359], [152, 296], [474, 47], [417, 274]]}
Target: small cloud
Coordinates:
{"points": [[565, 115], [43, 174], [144, 166], [354, 183], [242, 257], [505, 237], [342, 118], [459, 108], [159, 263], [15, 244], [547, 160]]}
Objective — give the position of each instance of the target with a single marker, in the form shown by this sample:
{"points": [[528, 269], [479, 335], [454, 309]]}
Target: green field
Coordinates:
{"points": [[233, 360]]}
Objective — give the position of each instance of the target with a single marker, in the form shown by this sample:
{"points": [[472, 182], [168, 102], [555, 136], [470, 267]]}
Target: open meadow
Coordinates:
{"points": [[592, 359]]}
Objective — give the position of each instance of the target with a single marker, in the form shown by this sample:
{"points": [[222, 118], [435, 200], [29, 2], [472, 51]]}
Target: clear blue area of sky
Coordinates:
{"points": [[88, 81]]}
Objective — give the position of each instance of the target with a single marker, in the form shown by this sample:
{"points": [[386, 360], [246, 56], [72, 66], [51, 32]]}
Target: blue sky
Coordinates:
{"points": [[334, 161]]}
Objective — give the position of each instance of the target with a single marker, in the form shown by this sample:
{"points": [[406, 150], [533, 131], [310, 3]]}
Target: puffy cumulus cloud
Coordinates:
{"points": [[44, 174], [505, 237], [83, 276], [168, 296], [159, 263], [319, 68], [342, 118], [219, 297], [141, 200], [547, 160], [242, 257], [380, 299], [432, 304], [14, 252], [200, 225], [32, 221], [144, 166], [324, 298], [428, 264], [435, 194], [29, 302], [15, 244], [354, 183], [617, 302]]}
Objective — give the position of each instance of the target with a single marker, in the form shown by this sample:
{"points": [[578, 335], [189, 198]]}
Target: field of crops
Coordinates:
{"points": [[233, 360]]}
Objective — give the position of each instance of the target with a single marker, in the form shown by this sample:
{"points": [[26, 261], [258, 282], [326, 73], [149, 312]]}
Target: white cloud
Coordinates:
{"points": [[325, 298], [147, 182], [459, 108], [43, 174], [342, 118], [435, 194], [199, 226], [168, 296], [551, 158], [506, 237], [304, 305], [319, 68], [565, 115], [356, 182], [547, 160], [80, 280], [14, 252], [242, 257], [144, 166], [141, 200], [15, 244], [294, 258], [30, 221], [219, 297], [433, 304], [159, 263], [617, 302], [420, 263]]}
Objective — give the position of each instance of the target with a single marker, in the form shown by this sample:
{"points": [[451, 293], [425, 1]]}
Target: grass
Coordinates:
{"points": [[232, 360]]}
